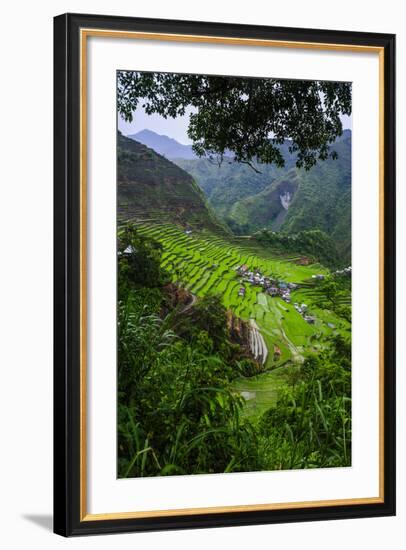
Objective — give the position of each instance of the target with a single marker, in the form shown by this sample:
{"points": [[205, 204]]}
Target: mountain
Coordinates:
{"points": [[282, 199], [323, 199], [268, 208], [150, 186], [164, 145], [230, 182]]}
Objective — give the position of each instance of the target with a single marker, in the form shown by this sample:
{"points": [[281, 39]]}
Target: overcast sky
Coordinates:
{"points": [[175, 128]]}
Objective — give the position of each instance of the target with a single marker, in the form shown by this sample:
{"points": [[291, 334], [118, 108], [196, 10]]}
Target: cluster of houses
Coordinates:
{"points": [[345, 271], [319, 277], [302, 310], [282, 290], [270, 286], [274, 288]]}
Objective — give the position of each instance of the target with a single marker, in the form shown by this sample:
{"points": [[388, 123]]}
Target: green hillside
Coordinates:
{"points": [[247, 201], [150, 186], [191, 400], [230, 182], [269, 208], [323, 200], [206, 264], [194, 395]]}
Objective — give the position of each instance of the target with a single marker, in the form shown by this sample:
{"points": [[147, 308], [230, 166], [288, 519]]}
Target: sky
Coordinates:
{"points": [[175, 128]]}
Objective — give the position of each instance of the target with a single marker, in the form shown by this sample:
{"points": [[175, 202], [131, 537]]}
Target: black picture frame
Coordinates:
{"points": [[67, 353]]}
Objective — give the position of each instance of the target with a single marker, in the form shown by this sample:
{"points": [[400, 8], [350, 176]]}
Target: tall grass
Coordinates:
{"points": [[177, 411]]}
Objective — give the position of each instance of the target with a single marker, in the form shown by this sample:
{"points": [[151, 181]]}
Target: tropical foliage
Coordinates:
{"points": [[249, 117], [313, 243], [249, 200], [234, 352], [148, 185], [178, 410]]}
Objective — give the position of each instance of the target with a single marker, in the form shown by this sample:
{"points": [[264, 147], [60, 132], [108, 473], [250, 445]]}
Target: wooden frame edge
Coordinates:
{"points": [[84, 517]]}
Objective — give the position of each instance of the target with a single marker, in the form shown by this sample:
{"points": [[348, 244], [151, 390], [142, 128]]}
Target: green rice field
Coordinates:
{"points": [[205, 263]]}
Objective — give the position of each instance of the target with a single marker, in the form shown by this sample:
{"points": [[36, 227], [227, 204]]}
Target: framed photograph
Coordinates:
{"points": [[224, 274]]}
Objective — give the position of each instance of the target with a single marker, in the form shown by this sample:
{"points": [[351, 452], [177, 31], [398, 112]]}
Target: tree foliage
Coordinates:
{"points": [[311, 425], [249, 117], [139, 262], [314, 243]]}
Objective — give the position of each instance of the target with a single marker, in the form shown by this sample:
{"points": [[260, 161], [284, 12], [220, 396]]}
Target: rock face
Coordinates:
{"points": [[285, 199], [319, 198], [248, 337], [176, 297], [268, 208]]}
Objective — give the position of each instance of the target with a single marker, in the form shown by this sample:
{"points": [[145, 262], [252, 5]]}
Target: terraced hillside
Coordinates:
{"points": [[206, 263], [150, 185], [285, 199]]}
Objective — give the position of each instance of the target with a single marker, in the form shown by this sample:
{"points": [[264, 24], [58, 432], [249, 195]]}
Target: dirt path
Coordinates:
{"points": [[296, 356]]}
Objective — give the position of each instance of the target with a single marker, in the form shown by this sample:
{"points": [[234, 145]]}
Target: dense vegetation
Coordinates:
{"points": [[314, 243], [249, 201], [323, 200], [178, 410], [234, 340], [148, 185], [310, 426], [230, 182], [205, 264], [239, 115]]}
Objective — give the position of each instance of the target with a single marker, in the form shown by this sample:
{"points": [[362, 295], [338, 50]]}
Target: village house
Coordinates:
{"points": [[272, 291], [319, 277], [128, 251], [345, 271], [286, 297], [301, 309], [242, 269], [309, 319], [274, 288], [268, 284], [276, 353]]}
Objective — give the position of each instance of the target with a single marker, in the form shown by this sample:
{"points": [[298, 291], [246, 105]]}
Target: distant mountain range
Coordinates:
{"points": [[164, 145], [281, 199]]}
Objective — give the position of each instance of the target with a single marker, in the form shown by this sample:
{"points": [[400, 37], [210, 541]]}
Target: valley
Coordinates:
{"points": [[206, 263], [248, 200], [233, 274]]}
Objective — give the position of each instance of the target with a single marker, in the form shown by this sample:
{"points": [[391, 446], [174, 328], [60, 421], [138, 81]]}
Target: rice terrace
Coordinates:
{"points": [[207, 264], [233, 274]]}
